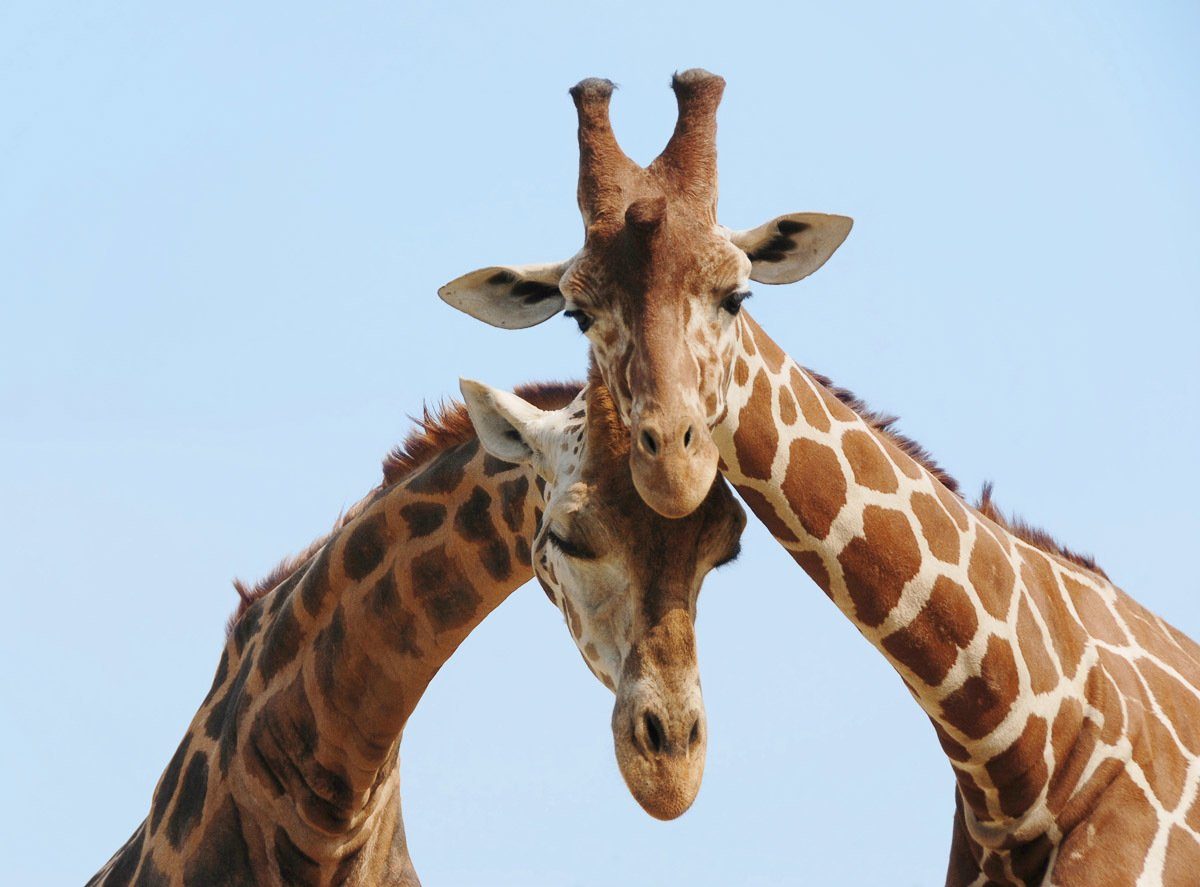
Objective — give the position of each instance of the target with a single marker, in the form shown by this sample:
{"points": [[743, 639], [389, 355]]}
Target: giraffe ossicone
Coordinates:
{"points": [[1068, 712], [289, 774]]}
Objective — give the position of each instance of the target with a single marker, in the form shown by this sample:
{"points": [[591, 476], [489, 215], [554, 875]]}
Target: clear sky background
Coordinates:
{"points": [[221, 233]]}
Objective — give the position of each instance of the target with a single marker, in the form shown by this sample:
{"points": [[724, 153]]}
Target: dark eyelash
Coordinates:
{"points": [[570, 549], [580, 317], [733, 302], [730, 557]]}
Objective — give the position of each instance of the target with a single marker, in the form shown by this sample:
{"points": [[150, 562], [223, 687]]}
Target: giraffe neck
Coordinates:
{"points": [[927, 580], [288, 773]]}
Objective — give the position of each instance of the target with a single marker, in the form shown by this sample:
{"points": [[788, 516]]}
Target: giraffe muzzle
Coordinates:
{"points": [[673, 461], [659, 728]]}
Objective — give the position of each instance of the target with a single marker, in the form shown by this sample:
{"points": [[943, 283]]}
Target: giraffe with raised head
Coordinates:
{"points": [[1069, 713], [289, 772]]}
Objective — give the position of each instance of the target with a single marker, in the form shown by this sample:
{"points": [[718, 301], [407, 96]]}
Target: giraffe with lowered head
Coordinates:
{"points": [[1069, 713], [289, 774]]}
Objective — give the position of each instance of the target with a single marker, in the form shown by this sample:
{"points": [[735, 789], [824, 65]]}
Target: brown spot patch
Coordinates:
{"points": [[814, 566], [1065, 633], [977, 707], [1094, 613], [189, 802], [314, 587], [1183, 857], [756, 437], [836, 408], [168, 782], [423, 518], [871, 467], [937, 528], [991, 575], [772, 354], [572, 618], [221, 855], [900, 458], [1176, 701], [1019, 772], [929, 644], [787, 406], [446, 471], [765, 512], [953, 749], [1124, 683], [814, 485], [810, 403], [741, 372], [1124, 811], [281, 753], [397, 623], [1159, 756], [522, 553], [365, 546], [878, 564], [1152, 637], [473, 521], [971, 791], [953, 505], [281, 644], [1193, 815], [1043, 675], [443, 590], [513, 495], [1071, 756]]}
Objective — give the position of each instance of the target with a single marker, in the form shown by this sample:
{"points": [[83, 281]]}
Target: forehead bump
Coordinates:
{"points": [[647, 214]]}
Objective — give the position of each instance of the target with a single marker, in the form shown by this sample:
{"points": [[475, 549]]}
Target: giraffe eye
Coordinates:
{"points": [[580, 317], [733, 302], [569, 548]]}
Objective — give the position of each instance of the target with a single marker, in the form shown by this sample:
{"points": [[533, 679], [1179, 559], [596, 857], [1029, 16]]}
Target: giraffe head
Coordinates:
{"points": [[625, 578], [657, 285]]}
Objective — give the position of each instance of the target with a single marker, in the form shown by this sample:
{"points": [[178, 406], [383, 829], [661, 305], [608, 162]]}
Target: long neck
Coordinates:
{"points": [[295, 747], [936, 587]]}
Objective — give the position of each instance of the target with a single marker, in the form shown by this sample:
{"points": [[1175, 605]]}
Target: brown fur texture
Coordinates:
{"points": [[446, 425]]}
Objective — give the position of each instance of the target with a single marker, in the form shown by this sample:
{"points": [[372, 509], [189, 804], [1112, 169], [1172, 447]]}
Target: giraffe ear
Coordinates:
{"points": [[791, 247], [508, 427], [510, 297]]}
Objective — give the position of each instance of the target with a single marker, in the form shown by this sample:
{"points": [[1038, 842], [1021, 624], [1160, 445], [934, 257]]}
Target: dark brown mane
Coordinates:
{"points": [[883, 422], [445, 426], [1035, 536]]}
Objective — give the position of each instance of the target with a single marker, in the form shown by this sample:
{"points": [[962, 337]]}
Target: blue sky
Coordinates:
{"points": [[221, 233]]}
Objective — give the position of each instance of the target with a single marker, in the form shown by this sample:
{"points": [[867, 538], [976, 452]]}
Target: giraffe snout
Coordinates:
{"points": [[673, 460]]}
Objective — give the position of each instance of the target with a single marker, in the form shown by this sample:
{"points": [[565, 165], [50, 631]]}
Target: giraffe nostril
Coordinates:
{"points": [[654, 732], [649, 442], [694, 736], [687, 437]]}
